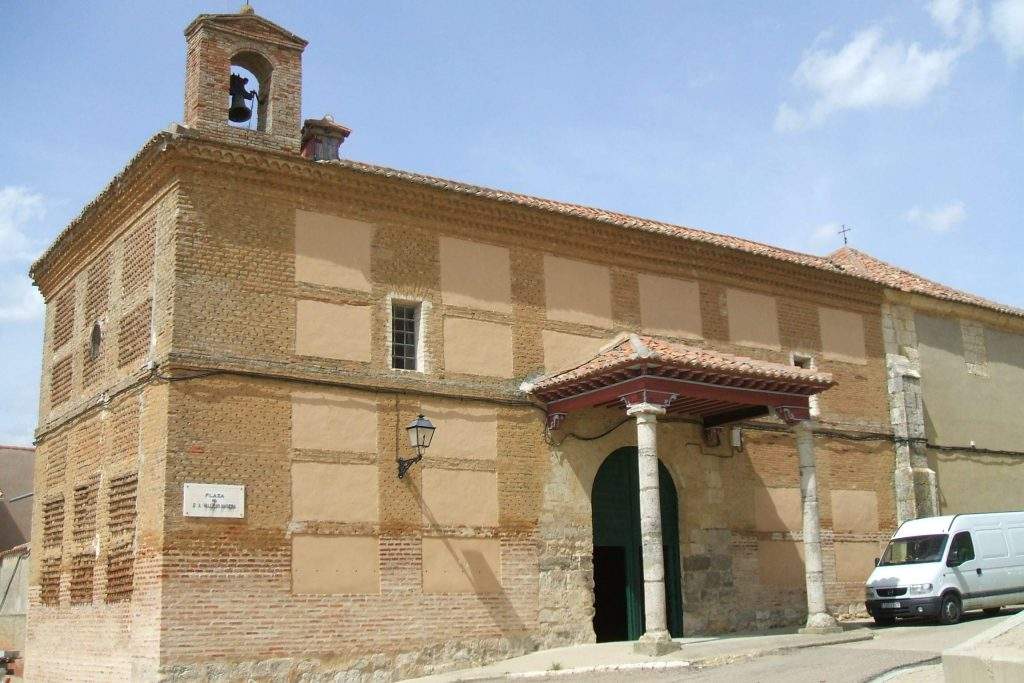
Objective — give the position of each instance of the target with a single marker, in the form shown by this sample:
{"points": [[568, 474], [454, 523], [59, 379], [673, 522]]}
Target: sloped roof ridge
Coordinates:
{"points": [[860, 263], [634, 348], [594, 213]]}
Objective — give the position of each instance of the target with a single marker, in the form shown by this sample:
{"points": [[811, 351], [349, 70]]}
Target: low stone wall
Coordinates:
{"points": [[995, 655], [378, 668]]}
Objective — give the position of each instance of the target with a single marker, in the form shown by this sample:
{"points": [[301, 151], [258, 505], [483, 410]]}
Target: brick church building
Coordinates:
{"points": [[640, 430]]}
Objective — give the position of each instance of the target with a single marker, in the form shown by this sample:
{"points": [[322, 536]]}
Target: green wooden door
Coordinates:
{"points": [[618, 563]]}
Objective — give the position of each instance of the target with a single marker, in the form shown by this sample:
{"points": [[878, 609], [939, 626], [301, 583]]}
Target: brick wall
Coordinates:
{"points": [[94, 584], [224, 295]]}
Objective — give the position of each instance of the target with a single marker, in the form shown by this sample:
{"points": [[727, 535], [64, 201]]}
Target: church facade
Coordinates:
{"points": [[639, 430]]}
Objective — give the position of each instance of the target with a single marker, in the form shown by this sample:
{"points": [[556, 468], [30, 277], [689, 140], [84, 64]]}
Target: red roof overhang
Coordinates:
{"points": [[715, 387]]}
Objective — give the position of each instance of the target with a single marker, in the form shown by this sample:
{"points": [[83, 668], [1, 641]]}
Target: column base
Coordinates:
{"points": [[655, 644], [820, 624]]}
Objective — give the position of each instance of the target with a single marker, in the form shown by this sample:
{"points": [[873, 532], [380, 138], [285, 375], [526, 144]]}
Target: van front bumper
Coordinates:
{"points": [[908, 607]]}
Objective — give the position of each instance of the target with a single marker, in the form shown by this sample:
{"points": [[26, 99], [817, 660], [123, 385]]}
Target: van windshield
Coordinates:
{"points": [[914, 550]]}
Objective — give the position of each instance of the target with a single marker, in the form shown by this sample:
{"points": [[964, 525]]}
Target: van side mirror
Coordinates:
{"points": [[876, 561], [953, 561]]}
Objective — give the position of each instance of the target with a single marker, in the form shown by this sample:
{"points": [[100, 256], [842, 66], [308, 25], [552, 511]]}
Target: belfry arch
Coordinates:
{"points": [[251, 65]]}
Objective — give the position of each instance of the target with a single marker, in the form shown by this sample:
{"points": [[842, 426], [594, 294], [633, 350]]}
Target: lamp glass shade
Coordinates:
{"points": [[420, 431]]}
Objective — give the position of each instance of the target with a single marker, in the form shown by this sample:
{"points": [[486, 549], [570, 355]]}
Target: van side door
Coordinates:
{"points": [[962, 567], [995, 563], [1015, 573]]}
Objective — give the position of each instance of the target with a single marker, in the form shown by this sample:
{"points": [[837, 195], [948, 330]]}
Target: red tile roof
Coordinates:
{"points": [[631, 350], [602, 215], [846, 260], [863, 265]]}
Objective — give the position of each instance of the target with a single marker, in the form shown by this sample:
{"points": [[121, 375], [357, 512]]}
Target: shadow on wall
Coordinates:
{"points": [[486, 586], [10, 532]]}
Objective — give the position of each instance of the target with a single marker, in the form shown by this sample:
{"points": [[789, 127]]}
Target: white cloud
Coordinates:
{"points": [[19, 207], [19, 300], [873, 71], [866, 73], [957, 19], [941, 219], [1007, 24]]}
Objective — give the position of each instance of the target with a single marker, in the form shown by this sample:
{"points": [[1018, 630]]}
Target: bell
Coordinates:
{"points": [[239, 111]]}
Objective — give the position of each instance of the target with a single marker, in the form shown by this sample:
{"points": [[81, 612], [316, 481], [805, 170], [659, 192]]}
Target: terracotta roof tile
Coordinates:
{"points": [[863, 265], [632, 349], [590, 213]]}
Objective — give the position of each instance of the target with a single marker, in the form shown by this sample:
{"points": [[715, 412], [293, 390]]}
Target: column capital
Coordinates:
{"points": [[651, 410]]}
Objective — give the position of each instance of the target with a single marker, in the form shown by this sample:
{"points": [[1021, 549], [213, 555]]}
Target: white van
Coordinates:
{"points": [[939, 567]]}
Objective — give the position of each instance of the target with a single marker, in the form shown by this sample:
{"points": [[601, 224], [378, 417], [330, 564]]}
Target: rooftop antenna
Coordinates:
{"points": [[843, 233]]}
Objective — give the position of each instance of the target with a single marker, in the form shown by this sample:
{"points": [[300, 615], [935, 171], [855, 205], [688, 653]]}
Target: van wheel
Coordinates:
{"points": [[884, 621], [950, 611], [991, 611]]}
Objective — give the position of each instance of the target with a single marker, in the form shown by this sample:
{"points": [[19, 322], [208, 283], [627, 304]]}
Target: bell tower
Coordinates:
{"points": [[243, 80]]}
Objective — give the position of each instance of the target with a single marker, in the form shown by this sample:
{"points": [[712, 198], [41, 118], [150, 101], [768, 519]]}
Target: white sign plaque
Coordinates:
{"points": [[214, 500]]}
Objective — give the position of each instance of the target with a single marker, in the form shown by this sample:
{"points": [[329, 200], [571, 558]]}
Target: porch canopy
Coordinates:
{"points": [[716, 387], [650, 377]]}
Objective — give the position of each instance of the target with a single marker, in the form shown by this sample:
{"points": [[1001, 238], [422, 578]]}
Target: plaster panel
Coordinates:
{"points": [[460, 497], [753, 319], [563, 351], [332, 251], [669, 306], [461, 565], [855, 560], [971, 481], [335, 564], [781, 563], [577, 292], [477, 347], [332, 330], [334, 421], [778, 509], [463, 429], [331, 492], [842, 335], [475, 275], [961, 406], [854, 510]]}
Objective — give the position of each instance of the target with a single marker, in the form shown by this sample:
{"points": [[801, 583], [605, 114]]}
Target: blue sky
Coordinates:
{"points": [[773, 121]]}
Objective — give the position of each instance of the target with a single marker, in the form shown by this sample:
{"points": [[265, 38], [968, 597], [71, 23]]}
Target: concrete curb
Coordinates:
{"points": [[668, 665], [978, 660], [586, 670], [838, 639]]}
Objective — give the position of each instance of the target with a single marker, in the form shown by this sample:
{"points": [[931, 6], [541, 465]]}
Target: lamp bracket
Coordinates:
{"points": [[405, 464]]}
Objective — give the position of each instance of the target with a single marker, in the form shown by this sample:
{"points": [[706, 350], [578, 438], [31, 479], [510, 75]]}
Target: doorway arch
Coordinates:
{"points": [[618, 564]]}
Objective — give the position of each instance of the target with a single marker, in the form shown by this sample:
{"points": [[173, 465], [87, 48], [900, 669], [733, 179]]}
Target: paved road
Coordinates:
{"points": [[894, 647]]}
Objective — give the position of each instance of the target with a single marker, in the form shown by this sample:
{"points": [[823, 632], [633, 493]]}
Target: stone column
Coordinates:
{"points": [[656, 639], [818, 619]]}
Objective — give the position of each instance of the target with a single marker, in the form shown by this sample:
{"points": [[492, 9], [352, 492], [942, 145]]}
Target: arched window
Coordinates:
{"points": [[249, 91]]}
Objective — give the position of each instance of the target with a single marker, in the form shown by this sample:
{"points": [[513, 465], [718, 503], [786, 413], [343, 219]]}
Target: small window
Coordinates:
{"points": [[962, 549], [95, 340], [404, 333]]}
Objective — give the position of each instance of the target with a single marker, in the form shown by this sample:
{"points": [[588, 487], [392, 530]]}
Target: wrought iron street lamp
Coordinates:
{"points": [[420, 432]]}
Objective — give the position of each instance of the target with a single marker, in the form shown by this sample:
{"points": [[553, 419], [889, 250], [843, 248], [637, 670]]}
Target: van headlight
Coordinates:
{"points": [[869, 593], [919, 589]]}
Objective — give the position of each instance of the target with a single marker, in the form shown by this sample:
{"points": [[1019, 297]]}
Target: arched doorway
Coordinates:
{"points": [[618, 565]]}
